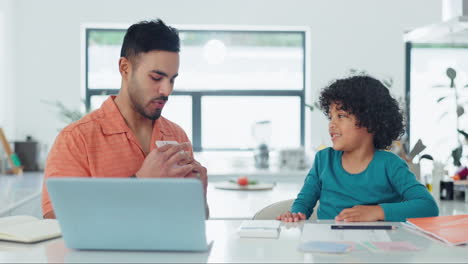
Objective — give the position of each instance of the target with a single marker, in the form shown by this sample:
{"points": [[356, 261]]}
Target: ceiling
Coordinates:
{"points": [[452, 30]]}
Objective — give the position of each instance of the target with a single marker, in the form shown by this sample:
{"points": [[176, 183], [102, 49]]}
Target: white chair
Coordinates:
{"points": [[273, 210]]}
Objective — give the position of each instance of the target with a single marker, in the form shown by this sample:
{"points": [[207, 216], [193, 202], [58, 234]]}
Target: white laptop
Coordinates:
{"points": [[130, 214]]}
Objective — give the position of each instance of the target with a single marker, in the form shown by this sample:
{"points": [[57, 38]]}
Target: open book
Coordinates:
{"points": [[452, 229], [28, 229]]}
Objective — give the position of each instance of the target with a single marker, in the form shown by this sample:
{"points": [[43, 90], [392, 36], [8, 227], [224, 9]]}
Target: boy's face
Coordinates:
{"points": [[344, 133]]}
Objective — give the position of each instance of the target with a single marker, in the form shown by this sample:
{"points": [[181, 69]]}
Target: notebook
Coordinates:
{"points": [[130, 214], [28, 229], [451, 229]]}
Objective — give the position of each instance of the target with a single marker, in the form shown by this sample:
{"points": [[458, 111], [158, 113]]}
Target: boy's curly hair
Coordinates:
{"points": [[370, 101]]}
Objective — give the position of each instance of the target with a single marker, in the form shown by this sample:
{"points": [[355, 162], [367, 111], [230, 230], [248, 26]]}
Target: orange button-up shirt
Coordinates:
{"points": [[102, 145]]}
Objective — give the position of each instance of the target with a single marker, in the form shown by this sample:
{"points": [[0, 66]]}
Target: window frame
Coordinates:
{"points": [[409, 47], [197, 95]]}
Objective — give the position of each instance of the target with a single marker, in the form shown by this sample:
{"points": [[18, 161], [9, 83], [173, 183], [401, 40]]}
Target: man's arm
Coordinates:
{"points": [[201, 173], [67, 157], [50, 215], [207, 210]]}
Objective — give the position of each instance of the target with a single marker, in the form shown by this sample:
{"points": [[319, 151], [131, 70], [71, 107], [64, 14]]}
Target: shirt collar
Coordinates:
{"points": [[114, 123]]}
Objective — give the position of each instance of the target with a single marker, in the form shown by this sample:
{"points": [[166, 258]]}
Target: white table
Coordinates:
{"points": [[462, 185], [228, 247], [22, 195], [242, 204]]}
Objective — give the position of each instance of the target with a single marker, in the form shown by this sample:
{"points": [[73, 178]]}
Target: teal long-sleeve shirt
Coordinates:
{"points": [[386, 181]]}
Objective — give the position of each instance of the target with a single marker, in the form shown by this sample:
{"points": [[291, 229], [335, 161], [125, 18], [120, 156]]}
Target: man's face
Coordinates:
{"points": [[151, 81]]}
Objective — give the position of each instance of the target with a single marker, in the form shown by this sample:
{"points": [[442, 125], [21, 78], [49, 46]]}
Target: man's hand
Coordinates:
{"points": [[361, 213], [291, 217], [49, 215], [167, 161], [198, 172]]}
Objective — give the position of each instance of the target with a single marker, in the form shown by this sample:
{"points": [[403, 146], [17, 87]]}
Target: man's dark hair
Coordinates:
{"points": [[147, 36], [370, 101]]}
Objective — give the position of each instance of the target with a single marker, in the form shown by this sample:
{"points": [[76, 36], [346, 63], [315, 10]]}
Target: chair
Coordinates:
{"points": [[273, 210]]}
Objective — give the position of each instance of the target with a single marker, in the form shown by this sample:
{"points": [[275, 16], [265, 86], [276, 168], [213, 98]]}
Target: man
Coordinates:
{"points": [[118, 139]]}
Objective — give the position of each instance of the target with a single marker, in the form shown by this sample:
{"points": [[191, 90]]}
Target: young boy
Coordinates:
{"points": [[357, 180]]}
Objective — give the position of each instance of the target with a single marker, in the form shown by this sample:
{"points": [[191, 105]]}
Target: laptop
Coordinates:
{"points": [[130, 214]]}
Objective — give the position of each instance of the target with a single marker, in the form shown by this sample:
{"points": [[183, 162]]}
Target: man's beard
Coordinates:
{"points": [[152, 116], [141, 109]]}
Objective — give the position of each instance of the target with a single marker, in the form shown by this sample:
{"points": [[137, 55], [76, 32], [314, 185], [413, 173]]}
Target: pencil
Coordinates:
{"points": [[382, 227]]}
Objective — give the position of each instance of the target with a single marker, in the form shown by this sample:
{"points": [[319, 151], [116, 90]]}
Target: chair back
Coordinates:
{"points": [[273, 210]]}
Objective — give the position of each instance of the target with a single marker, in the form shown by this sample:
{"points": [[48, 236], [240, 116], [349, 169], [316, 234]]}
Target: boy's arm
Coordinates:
{"points": [[310, 192], [418, 202]]}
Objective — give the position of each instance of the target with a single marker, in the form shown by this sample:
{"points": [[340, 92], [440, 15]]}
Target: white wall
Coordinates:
{"points": [[7, 71], [362, 34]]}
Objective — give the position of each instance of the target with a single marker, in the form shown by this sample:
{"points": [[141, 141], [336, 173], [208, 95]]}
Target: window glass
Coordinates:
{"points": [[225, 72], [229, 122], [434, 120], [103, 59], [179, 110], [241, 61]]}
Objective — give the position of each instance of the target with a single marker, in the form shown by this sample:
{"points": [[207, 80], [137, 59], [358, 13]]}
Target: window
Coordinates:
{"points": [[228, 81], [433, 109]]}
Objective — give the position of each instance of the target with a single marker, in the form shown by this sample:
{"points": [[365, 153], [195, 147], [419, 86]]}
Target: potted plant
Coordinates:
{"points": [[459, 108]]}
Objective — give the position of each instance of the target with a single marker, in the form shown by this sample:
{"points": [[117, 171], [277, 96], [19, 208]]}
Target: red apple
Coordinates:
{"points": [[243, 181]]}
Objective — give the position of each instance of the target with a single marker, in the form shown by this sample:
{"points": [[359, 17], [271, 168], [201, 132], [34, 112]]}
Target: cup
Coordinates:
{"points": [[446, 190]]}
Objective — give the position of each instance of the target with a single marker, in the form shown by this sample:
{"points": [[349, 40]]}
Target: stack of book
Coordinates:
{"points": [[452, 229]]}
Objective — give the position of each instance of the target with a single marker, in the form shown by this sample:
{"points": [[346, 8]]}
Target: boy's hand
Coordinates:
{"points": [[291, 217], [361, 213]]}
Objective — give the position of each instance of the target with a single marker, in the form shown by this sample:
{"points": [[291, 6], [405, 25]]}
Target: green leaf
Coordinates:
{"points": [[426, 156], [65, 114], [460, 110], [463, 133], [451, 73], [311, 108], [388, 82], [456, 155], [251, 182], [443, 115]]}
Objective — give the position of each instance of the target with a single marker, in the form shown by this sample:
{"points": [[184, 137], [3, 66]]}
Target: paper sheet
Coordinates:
{"points": [[323, 232]]}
